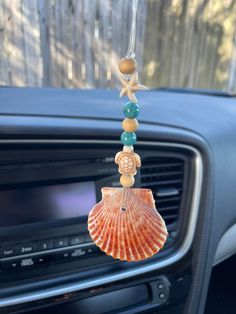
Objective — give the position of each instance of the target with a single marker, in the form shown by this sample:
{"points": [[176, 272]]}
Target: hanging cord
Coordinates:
{"points": [[130, 54], [131, 49], [125, 198]]}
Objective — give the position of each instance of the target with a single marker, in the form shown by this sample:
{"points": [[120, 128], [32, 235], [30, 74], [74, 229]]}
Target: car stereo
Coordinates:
{"points": [[44, 204], [47, 191], [51, 203]]}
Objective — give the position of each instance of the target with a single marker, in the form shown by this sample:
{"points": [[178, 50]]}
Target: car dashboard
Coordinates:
{"points": [[57, 151]]}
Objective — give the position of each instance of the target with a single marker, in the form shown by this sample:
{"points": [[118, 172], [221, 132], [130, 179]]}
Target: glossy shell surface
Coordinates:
{"points": [[126, 224]]}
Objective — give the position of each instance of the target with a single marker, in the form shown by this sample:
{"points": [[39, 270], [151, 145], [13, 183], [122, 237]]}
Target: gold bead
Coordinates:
{"points": [[127, 65], [127, 181], [130, 125]]}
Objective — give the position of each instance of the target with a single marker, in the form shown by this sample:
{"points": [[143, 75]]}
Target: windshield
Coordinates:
{"points": [[77, 44]]}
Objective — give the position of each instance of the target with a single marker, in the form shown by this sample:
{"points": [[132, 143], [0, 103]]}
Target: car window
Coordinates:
{"points": [[77, 44]]}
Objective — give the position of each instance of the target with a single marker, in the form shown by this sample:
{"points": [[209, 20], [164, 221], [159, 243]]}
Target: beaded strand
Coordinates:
{"points": [[127, 160]]}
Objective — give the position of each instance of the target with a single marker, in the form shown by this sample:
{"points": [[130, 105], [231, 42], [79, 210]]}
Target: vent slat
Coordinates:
{"points": [[159, 208], [166, 200], [164, 175], [163, 197], [162, 165], [167, 192], [161, 183], [159, 174], [169, 216]]}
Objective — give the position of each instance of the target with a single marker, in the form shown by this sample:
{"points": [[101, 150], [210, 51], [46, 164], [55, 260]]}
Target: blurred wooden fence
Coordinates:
{"points": [[77, 43]]}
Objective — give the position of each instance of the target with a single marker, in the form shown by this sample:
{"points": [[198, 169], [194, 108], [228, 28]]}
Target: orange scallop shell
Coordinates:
{"points": [[133, 234]]}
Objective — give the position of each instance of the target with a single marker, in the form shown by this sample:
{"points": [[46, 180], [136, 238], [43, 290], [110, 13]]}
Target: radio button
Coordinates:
{"points": [[27, 262], [44, 245], [77, 239], [8, 251], [61, 242], [62, 256], [10, 265], [77, 253], [92, 250], [26, 248], [44, 259]]}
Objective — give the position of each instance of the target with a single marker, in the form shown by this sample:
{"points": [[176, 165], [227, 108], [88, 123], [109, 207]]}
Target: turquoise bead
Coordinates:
{"points": [[128, 138], [131, 110]]}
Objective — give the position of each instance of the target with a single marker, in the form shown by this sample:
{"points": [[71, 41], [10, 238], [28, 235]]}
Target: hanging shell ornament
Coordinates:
{"points": [[125, 223], [132, 234]]}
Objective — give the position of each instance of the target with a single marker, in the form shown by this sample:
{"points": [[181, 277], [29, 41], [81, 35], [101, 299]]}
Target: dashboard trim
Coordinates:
{"points": [[173, 258], [226, 246]]}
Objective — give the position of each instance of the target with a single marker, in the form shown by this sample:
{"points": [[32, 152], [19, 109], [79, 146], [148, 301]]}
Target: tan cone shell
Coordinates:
{"points": [[132, 235]]}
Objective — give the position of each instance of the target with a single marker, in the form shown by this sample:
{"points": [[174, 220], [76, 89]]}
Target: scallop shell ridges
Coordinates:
{"points": [[132, 235]]}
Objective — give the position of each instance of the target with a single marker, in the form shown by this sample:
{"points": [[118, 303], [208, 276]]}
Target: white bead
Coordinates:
{"points": [[128, 149]]}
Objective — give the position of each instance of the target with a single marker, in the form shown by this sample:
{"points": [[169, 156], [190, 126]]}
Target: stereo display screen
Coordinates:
{"points": [[37, 204]]}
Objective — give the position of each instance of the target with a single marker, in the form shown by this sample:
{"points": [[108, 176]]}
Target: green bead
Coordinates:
{"points": [[131, 110], [128, 138]]}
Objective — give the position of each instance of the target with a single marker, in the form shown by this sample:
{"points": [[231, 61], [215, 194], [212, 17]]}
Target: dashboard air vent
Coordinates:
{"points": [[164, 176]]}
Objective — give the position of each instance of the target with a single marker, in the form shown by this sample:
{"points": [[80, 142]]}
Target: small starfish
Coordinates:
{"points": [[130, 87]]}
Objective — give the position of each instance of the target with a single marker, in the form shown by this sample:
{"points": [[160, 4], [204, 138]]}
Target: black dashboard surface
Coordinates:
{"points": [[204, 121]]}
